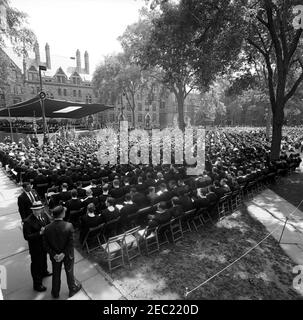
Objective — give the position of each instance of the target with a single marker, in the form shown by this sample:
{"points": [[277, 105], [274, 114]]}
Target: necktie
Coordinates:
{"points": [[32, 197]]}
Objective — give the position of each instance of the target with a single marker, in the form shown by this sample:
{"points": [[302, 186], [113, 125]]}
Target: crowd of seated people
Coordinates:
{"points": [[94, 194]]}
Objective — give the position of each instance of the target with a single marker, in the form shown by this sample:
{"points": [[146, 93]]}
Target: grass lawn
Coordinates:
{"points": [[265, 273]]}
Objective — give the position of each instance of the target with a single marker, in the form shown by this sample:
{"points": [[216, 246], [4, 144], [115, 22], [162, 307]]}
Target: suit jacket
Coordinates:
{"points": [[31, 232], [87, 222], [59, 238], [110, 215], [176, 211], [127, 210], [25, 204], [117, 192]]}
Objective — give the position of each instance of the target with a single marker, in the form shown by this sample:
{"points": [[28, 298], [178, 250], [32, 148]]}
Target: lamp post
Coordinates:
{"points": [[42, 97]]}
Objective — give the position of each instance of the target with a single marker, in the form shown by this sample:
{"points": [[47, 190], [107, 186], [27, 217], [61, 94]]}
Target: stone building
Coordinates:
{"points": [[65, 78]]}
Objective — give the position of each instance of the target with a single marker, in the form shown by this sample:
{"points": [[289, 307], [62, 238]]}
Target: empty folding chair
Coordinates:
{"points": [[149, 237], [113, 249], [131, 244], [92, 239], [111, 227]]}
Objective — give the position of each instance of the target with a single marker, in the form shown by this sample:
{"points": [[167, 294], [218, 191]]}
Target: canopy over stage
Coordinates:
{"points": [[53, 109]]}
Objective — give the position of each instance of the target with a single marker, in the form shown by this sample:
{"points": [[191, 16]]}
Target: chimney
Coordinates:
{"points": [[47, 55], [37, 53], [86, 61], [78, 59]]}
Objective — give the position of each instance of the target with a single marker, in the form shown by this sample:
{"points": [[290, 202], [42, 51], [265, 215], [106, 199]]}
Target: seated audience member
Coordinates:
{"points": [[128, 208], [116, 192], [225, 186], [139, 198], [64, 195], [186, 202], [97, 191], [90, 199], [152, 194], [140, 186], [80, 191], [201, 201], [102, 198], [218, 189], [127, 186], [111, 212], [161, 216], [89, 220], [176, 210], [74, 204]]}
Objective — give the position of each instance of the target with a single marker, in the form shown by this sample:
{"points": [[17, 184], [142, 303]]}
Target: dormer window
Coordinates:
{"points": [[61, 79]]}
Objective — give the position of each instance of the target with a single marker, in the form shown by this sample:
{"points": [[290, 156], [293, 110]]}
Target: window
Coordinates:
{"points": [[61, 79], [59, 92], [154, 106], [38, 89], [78, 80], [74, 93], [138, 97], [154, 117], [64, 92], [139, 106], [79, 94], [74, 80], [140, 118], [111, 117], [129, 118], [88, 98], [33, 90], [162, 105], [51, 96]]}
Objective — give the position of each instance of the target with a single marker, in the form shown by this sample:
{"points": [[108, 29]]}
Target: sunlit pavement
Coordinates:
{"points": [[15, 257], [271, 210]]}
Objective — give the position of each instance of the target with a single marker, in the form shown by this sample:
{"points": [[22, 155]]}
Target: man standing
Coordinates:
{"points": [[33, 229], [59, 243], [26, 199]]}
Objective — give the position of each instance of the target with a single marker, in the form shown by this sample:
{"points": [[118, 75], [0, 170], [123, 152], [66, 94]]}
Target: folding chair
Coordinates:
{"points": [[111, 227], [149, 236], [162, 230], [176, 229], [197, 219], [235, 200], [74, 217], [93, 234], [114, 251], [223, 207], [143, 213], [186, 219], [131, 244]]}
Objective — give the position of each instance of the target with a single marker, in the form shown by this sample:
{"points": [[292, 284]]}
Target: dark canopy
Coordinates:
{"points": [[53, 109]]}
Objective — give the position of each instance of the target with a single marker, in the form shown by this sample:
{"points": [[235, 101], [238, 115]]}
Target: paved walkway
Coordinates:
{"points": [[15, 257], [272, 210]]}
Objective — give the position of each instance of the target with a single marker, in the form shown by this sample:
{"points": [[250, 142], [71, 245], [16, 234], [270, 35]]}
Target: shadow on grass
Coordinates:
{"points": [[265, 273]]}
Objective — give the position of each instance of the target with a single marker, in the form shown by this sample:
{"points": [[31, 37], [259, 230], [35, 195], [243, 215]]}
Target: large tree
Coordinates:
{"points": [[189, 42], [270, 33], [118, 77]]}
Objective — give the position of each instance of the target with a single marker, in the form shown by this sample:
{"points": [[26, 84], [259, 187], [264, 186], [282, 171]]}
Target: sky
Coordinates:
{"points": [[68, 25]]}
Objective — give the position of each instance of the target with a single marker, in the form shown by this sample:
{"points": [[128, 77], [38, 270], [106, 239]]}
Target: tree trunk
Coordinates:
{"points": [[133, 114], [277, 124], [181, 112]]}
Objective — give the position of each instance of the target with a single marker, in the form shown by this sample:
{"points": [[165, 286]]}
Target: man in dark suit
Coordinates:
{"points": [[116, 192], [33, 229], [89, 220], [26, 199], [64, 195], [161, 216], [59, 243], [139, 198], [74, 206], [41, 184], [128, 208]]}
